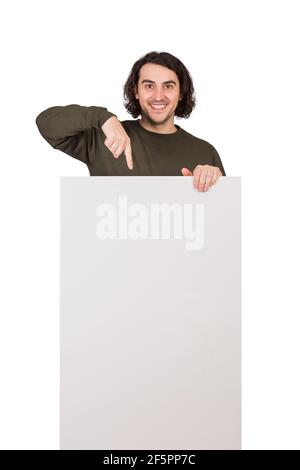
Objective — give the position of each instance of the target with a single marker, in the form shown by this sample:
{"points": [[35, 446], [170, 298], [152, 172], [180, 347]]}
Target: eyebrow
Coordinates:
{"points": [[164, 83]]}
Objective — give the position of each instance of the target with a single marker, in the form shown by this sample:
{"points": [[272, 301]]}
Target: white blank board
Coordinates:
{"points": [[150, 330]]}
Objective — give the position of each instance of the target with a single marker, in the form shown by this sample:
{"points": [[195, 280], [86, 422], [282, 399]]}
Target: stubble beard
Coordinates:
{"points": [[146, 116]]}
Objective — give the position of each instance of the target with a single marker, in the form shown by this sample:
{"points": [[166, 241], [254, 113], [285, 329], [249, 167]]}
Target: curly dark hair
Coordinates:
{"points": [[188, 100]]}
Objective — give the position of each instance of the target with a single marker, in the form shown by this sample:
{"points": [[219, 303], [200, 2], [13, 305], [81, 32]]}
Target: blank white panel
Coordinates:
{"points": [[150, 331]]}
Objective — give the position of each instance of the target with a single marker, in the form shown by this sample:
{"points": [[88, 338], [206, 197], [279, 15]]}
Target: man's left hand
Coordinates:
{"points": [[204, 176]]}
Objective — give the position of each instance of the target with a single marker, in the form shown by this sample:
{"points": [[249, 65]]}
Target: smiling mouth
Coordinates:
{"points": [[158, 107]]}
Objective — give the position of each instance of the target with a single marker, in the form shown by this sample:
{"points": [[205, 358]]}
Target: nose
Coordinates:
{"points": [[158, 94]]}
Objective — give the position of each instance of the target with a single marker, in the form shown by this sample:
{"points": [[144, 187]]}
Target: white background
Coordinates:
{"points": [[243, 57]]}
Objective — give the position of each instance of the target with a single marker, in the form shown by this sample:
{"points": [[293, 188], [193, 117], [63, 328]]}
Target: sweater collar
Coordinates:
{"points": [[159, 134]]}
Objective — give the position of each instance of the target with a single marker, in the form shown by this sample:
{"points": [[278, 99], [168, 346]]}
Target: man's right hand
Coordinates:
{"points": [[117, 141]]}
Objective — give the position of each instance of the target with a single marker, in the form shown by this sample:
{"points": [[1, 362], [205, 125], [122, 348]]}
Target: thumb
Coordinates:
{"points": [[186, 172]]}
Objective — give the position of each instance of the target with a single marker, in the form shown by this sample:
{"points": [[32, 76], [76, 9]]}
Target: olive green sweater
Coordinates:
{"points": [[76, 131]]}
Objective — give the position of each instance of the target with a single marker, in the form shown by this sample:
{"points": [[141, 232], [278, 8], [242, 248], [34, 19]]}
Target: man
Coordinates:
{"points": [[158, 88]]}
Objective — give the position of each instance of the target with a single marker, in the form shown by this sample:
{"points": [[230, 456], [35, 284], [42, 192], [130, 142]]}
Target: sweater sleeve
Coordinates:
{"points": [[72, 128], [217, 161]]}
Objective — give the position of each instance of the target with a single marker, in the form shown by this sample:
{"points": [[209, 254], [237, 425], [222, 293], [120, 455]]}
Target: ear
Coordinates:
{"points": [[136, 92]]}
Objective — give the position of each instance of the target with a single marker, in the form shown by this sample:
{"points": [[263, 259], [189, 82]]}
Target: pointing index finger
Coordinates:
{"points": [[128, 155]]}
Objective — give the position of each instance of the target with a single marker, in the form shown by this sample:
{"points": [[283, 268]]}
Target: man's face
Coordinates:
{"points": [[158, 92]]}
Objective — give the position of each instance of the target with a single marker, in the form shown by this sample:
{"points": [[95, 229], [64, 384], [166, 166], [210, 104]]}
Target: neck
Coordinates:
{"points": [[167, 127]]}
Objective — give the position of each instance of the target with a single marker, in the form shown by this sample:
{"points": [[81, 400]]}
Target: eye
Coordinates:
{"points": [[148, 85]]}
